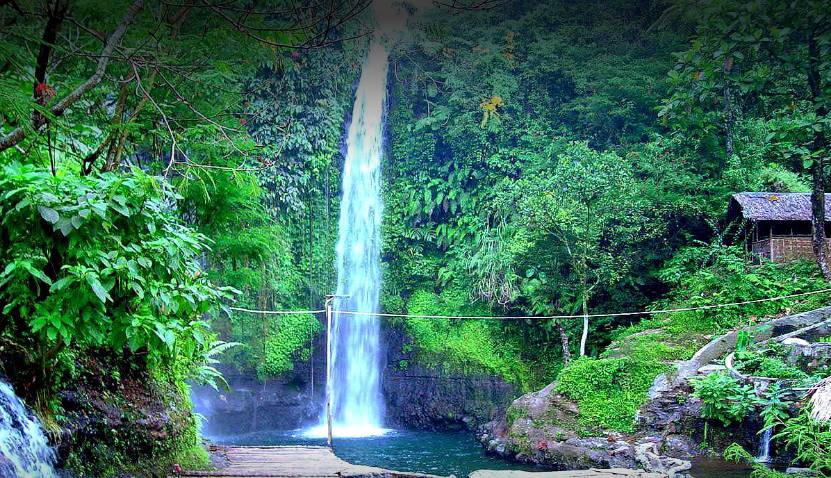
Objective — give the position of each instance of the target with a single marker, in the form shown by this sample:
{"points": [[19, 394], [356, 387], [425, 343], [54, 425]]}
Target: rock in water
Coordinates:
{"points": [[590, 473]]}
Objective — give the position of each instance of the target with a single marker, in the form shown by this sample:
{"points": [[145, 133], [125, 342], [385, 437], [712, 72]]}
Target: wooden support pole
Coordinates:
{"points": [[329, 300]]}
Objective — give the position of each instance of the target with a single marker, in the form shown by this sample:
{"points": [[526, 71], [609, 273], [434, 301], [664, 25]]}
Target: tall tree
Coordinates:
{"points": [[589, 206]]}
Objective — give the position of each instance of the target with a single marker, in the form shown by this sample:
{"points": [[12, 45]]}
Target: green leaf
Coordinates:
{"points": [[10, 268], [48, 214], [22, 204], [98, 288], [61, 283], [37, 273], [121, 209]]}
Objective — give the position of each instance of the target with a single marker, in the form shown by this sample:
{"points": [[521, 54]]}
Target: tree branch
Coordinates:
{"points": [[19, 134]]}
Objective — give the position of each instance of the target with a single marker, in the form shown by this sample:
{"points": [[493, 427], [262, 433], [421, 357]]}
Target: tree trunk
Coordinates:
{"points": [[729, 121], [729, 114], [818, 152], [56, 15], [818, 215], [585, 302], [564, 342], [585, 335], [19, 134]]}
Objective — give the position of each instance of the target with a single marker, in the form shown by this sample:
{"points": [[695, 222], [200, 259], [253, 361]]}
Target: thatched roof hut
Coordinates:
{"points": [[774, 207], [778, 225]]}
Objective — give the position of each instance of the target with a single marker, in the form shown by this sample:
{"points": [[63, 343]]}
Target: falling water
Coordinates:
{"points": [[763, 456], [24, 451], [357, 406]]}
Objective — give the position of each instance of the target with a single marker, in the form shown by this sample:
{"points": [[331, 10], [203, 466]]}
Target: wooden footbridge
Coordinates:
{"points": [[291, 462]]}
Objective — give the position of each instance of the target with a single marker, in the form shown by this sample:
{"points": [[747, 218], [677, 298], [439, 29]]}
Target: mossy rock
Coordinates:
{"points": [[118, 420]]}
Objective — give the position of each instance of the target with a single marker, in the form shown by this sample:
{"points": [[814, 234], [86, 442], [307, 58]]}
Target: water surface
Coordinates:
{"points": [[436, 453]]}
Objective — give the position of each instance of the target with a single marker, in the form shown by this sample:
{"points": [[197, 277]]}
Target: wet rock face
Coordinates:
{"points": [[114, 404], [417, 397], [425, 398], [288, 402]]}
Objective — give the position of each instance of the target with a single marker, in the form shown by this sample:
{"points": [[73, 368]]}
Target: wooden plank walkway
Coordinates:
{"points": [[292, 462]]}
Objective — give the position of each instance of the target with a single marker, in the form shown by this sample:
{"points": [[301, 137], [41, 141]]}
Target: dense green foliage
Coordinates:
{"points": [[100, 261], [470, 346], [524, 174], [482, 127], [543, 158], [723, 398], [767, 363]]}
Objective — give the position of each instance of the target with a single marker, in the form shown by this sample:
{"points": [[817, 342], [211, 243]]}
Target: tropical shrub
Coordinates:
{"points": [[723, 398], [810, 440], [101, 261], [763, 364]]}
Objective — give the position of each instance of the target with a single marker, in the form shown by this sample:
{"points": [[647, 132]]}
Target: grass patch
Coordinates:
{"points": [[609, 391]]}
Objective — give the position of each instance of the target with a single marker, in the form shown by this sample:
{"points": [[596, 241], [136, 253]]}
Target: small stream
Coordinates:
{"points": [[24, 450]]}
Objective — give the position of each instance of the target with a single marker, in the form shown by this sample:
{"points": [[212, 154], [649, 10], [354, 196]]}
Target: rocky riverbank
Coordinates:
{"points": [[540, 429], [543, 427]]}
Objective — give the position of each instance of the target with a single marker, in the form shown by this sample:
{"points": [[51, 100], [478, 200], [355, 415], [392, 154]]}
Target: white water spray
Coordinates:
{"points": [[24, 451]]}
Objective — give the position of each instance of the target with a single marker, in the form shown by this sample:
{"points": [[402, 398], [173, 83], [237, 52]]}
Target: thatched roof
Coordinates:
{"points": [[774, 206], [820, 395]]}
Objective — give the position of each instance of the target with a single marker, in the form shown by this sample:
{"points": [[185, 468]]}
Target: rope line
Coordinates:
{"points": [[542, 317], [278, 312]]}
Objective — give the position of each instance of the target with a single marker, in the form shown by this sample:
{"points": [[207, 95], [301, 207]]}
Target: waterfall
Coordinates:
{"points": [[357, 406], [763, 455], [355, 381], [24, 451]]}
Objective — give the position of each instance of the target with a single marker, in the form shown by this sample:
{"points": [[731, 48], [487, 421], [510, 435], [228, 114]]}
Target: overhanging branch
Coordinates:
{"points": [[19, 134]]}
